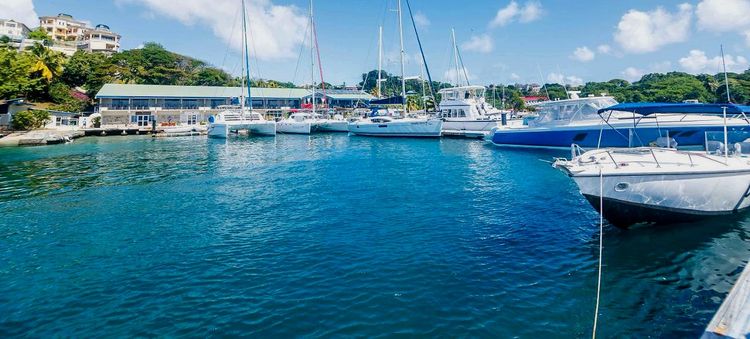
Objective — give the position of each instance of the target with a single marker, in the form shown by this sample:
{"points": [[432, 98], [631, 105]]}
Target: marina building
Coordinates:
{"points": [[127, 104]]}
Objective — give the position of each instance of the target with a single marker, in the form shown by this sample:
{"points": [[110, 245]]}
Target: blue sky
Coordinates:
{"points": [[501, 41]]}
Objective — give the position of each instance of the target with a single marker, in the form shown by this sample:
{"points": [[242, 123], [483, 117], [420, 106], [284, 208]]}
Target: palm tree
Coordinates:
{"points": [[45, 61]]}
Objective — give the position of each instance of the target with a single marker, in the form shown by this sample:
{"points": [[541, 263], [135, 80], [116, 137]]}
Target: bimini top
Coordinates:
{"points": [[648, 108]]}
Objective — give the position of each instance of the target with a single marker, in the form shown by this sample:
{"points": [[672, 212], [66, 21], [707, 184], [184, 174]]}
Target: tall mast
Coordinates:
{"points": [[455, 55], [245, 66], [380, 59], [312, 56], [401, 38]]}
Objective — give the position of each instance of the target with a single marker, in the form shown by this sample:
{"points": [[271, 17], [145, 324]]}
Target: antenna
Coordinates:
{"points": [[726, 78], [544, 85], [565, 87]]}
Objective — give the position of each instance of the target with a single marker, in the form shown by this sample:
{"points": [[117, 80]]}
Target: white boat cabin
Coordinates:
{"points": [[467, 102]]}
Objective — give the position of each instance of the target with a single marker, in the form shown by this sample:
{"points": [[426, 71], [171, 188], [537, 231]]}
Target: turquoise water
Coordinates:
{"points": [[333, 235]]}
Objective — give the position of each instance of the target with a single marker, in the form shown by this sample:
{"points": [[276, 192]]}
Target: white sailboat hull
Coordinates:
{"points": [[333, 126], [223, 129], [398, 128], [294, 127], [470, 125]]}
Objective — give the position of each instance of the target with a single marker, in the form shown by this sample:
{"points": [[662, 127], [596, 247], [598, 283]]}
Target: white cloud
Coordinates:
{"points": [[557, 78], [450, 76], [697, 62], [723, 15], [643, 32], [479, 43], [531, 11], [19, 10], [583, 54], [421, 19], [632, 74], [604, 49], [275, 31], [515, 76]]}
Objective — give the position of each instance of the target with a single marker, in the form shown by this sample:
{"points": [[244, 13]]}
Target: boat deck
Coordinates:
{"points": [[733, 317]]}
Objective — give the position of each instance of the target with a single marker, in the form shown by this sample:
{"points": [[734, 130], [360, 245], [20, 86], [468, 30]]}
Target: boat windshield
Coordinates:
{"points": [[462, 93], [568, 111]]}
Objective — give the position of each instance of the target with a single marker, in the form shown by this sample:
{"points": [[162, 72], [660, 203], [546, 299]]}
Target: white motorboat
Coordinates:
{"points": [[664, 185], [298, 123], [465, 111], [232, 121], [602, 122]]}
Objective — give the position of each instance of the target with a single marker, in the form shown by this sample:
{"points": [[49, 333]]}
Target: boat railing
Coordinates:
{"points": [[653, 151]]}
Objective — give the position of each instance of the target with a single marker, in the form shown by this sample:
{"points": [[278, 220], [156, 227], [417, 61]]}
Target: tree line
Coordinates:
{"points": [[69, 83]]}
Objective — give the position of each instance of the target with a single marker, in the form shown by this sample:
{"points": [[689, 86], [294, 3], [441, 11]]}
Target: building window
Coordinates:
{"points": [[172, 103]]}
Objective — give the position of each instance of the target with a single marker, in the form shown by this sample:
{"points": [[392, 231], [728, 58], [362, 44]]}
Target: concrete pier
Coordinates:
{"points": [[732, 320]]}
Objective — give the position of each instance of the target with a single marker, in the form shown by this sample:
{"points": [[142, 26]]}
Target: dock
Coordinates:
{"points": [[732, 320]]}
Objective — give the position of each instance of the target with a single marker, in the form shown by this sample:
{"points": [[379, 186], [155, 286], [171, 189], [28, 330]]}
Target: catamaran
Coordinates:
{"points": [[582, 121], [665, 185], [233, 119], [399, 126]]}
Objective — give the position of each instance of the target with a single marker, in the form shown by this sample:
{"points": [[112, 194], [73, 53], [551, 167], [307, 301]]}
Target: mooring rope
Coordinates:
{"points": [[601, 245]]}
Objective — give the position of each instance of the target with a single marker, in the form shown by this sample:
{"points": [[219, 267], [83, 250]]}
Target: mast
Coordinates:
{"points": [[401, 37], [455, 56], [244, 64], [312, 57], [380, 60]]}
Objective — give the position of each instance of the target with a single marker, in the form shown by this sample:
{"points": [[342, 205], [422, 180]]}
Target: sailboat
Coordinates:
{"points": [[233, 119], [304, 122], [398, 125]]}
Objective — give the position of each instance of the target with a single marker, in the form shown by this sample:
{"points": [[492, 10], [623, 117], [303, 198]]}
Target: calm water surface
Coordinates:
{"points": [[333, 235]]}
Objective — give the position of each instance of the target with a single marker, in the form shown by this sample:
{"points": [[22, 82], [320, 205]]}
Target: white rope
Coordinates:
{"points": [[601, 245]]}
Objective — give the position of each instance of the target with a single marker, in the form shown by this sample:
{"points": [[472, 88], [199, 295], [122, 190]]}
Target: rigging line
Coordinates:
{"points": [[254, 49], [231, 38], [461, 59], [601, 246], [421, 51], [320, 64], [299, 59]]}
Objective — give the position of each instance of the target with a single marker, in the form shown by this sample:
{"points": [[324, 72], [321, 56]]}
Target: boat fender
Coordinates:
{"points": [[211, 119]]}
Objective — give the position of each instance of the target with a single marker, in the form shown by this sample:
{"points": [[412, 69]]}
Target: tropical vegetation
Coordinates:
{"points": [[42, 75]]}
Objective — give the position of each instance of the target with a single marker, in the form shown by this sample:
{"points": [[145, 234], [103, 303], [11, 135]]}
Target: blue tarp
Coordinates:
{"points": [[647, 108]]}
